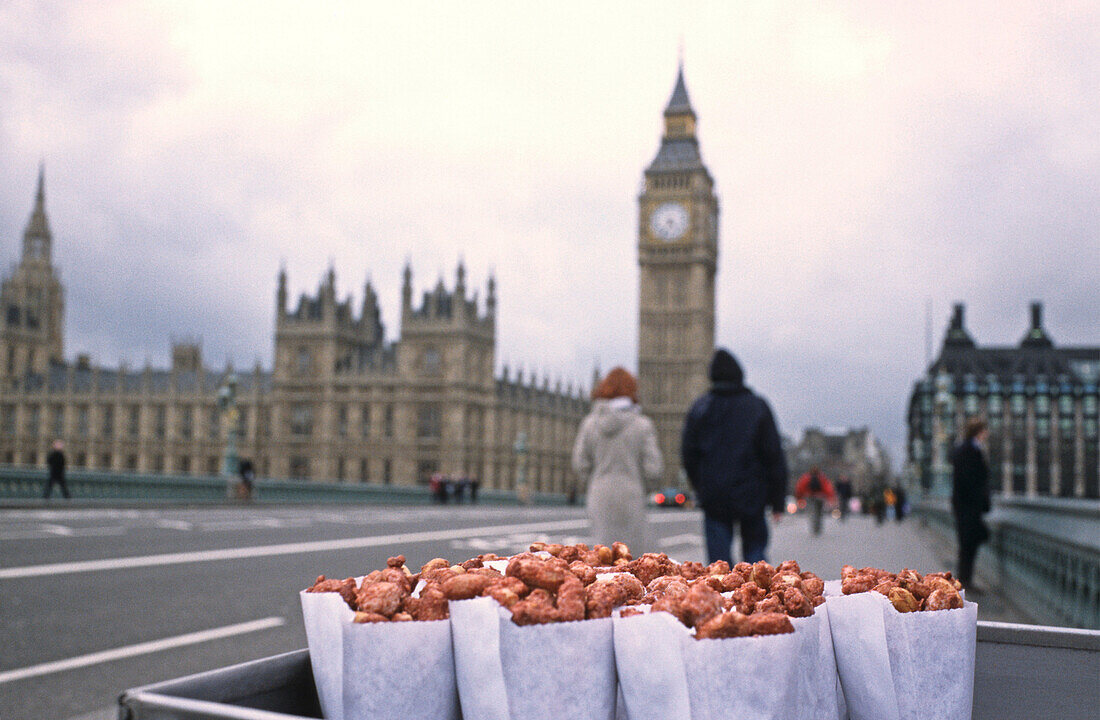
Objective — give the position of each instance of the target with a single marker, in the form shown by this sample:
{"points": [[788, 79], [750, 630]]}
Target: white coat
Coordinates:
{"points": [[615, 454]]}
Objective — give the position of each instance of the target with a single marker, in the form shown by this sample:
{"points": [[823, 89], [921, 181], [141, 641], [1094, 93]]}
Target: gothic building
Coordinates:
{"points": [[678, 257], [1040, 402], [853, 453], [340, 402]]}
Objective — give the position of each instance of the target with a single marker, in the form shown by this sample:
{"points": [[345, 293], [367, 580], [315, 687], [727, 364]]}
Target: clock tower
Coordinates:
{"points": [[677, 255]]}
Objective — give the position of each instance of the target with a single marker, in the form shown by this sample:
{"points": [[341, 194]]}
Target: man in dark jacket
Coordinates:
{"points": [[55, 461], [970, 496], [733, 458]]}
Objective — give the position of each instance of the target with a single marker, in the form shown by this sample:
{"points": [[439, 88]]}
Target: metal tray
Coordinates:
{"points": [[1021, 672]]}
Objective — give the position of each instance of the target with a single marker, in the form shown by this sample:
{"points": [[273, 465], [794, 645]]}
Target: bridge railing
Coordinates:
{"points": [[29, 484], [1046, 554]]}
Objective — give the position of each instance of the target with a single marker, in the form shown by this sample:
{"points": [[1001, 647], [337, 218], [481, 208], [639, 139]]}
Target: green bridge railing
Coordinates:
{"points": [[29, 484], [1045, 554]]}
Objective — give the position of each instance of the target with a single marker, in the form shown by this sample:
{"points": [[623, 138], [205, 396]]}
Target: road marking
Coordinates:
{"points": [[99, 531], [685, 539], [175, 524], [140, 649], [283, 549], [56, 529]]}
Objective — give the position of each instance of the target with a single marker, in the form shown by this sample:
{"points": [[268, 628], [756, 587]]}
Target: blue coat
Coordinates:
{"points": [[731, 452]]}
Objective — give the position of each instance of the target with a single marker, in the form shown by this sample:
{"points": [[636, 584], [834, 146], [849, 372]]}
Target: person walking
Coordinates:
{"points": [[55, 461], [815, 488], [614, 455], [248, 475], [970, 496], [732, 455], [844, 496]]}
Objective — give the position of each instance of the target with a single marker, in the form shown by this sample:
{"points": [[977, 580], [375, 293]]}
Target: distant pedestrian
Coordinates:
{"points": [[475, 484], [970, 496], [248, 475], [615, 454], [731, 452], [844, 496], [901, 507], [55, 461], [816, 489], [438, 486], [460, 489]]}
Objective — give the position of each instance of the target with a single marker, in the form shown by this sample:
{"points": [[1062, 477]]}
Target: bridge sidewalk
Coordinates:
{"points": [[892, 545]]}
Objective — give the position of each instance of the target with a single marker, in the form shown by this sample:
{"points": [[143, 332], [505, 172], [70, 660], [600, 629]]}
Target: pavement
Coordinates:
{"points": [[98, 600]]}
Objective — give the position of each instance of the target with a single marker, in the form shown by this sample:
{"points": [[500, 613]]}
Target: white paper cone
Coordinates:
{"points": [[475, 632], [325, 614], [650, 665], [753, 677], [819, 667], [932, 656], [397, 671], [903, 666], [559, 670]]}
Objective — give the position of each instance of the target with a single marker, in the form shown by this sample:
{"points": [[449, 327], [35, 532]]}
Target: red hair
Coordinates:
{"points": [[618, 383]]}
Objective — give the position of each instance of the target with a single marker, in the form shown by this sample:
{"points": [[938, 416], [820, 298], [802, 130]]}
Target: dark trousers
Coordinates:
{"points": [[50, 484], [971, 532], [718, 530]]}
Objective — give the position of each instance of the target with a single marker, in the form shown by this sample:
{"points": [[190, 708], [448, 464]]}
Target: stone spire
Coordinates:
{"points": [[37, 237], [679, 103], [491, 297], [280, 296], [679, 149]]}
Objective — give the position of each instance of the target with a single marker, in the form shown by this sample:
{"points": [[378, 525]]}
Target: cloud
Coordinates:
{"points": [[868, 157]]}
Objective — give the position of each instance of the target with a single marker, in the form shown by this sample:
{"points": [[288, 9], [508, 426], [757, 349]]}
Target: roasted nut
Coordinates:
{"points": [[903, 600], [788, 566], [345, 587], [762, 574], [382, 598], [369, 617], [466, 586], [620, 551], [941, 599]]}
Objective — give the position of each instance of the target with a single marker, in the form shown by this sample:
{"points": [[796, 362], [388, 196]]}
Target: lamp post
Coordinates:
{"points": [[522, 490], [944, 405], [227, 403]]}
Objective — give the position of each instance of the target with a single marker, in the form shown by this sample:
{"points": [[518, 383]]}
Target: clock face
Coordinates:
{"points": [[669, 221]]}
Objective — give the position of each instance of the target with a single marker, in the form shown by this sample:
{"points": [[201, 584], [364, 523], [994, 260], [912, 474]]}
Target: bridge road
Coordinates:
{"points": [[95, 601]]}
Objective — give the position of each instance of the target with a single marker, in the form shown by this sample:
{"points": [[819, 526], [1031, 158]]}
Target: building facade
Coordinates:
{"points": [[339, 403], [1040, 402], [854, 453], [678, 258]]}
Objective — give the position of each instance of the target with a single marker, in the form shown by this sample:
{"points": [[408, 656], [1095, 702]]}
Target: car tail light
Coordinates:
{"points": [[680, 499], [659, 498]]}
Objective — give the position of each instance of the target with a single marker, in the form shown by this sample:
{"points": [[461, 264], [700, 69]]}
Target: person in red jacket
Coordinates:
{"points": [[816, 489]]}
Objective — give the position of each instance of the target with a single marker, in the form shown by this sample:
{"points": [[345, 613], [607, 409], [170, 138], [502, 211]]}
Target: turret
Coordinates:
{"points": [[280, 295], [957, 336], [407, 290], [1036, 336]]}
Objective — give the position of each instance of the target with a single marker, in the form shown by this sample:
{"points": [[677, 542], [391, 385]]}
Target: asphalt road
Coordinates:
{"points": [[95, 601]]}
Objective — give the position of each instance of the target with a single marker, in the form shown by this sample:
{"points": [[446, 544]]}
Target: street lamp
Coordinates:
{"points": [[520, 448], [227, 403]]}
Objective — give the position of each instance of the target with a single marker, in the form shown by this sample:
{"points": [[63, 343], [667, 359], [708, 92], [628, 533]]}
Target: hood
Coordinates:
{"points": [[725, 370], [612, 416]]}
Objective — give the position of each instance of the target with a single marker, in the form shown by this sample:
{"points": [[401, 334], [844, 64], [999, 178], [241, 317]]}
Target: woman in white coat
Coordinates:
{"points": [[615, 454]]}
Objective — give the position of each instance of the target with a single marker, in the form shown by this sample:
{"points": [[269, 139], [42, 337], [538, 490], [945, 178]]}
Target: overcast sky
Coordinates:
{"points": [[869, 157]]}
